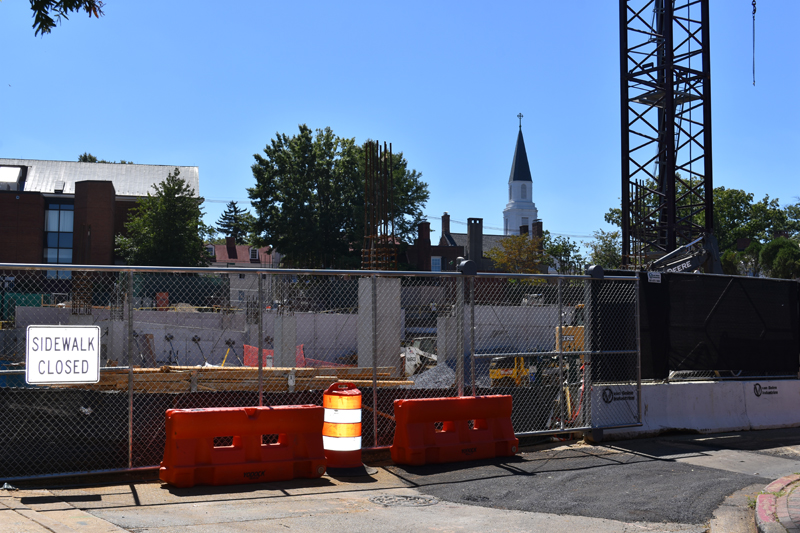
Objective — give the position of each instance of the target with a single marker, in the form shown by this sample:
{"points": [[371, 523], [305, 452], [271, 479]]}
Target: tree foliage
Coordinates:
{"points": [[780, 258], [605, 249], [309, 198], [86, 157], [166, 228], [48, 13], [563, 254], [236, 222], [738, 216], [519, 254]]}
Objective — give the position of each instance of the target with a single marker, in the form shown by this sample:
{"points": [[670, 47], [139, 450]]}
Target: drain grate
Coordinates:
{"points": [[388, 500]]}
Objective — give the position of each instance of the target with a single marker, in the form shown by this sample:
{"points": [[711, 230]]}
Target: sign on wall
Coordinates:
{"points": [[62, 354]]}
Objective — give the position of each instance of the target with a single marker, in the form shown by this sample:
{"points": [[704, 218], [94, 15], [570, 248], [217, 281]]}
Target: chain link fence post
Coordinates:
{"points": [[130, 369], [260, 339], [460, 308], [560, 346], [374, 359], [638, 352], [472, 332]]}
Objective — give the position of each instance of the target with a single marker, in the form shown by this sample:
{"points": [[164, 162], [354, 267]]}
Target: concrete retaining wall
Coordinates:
{"points": [[703, 407]]}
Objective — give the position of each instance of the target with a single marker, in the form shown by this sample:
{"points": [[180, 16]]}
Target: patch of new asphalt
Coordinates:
{"points": [[677, 481]]}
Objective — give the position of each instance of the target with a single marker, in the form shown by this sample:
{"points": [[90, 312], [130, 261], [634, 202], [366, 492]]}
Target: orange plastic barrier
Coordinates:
{"points": [[251, 356], [341, 434], [418, 441], [268, 444], [300, 360], [162, 300]]}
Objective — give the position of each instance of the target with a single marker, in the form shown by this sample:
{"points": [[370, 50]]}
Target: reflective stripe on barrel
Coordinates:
{"points": [[341, 430]]}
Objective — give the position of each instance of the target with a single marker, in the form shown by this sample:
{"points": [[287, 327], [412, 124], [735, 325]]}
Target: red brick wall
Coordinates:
{"points": [[94, 223], [21, 227]]}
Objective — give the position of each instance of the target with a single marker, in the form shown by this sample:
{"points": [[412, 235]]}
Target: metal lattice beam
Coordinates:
{"points": [[667, 186]]}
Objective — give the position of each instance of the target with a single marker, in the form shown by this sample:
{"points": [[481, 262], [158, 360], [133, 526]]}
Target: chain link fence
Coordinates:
{"points": [[565, 347]]}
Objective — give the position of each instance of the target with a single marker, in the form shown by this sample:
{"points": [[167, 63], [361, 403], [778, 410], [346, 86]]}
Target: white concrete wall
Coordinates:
{"points": [[502, 328], [324, 335], [704, 407], [389, 321]]}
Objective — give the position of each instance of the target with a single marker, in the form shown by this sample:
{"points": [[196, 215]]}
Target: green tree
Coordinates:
{"points": [[309, 198], [738, 216], [731, 263], [86, 157], [564, 254], [605, 249], [166, 228], [780, 258], [519, 254], [236, 222], [45, 10]]}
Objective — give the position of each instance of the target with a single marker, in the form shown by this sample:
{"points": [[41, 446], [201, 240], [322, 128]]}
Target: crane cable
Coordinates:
{"points": [[754, 43]]}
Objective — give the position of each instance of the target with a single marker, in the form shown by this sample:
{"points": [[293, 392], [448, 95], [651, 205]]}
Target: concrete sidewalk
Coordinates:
{"points": [[383, 503], [679, 483]]}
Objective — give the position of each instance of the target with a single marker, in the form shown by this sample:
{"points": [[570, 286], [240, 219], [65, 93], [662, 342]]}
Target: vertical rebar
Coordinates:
{"points": [[472, 332], [130, 369], [260, 339]]}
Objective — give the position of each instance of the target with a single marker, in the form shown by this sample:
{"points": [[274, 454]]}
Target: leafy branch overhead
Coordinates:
{"points": [[48, 13]]}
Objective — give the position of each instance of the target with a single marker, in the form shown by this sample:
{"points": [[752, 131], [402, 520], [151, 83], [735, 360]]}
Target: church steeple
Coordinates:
{"points": [[520, 171], [520, 210]]}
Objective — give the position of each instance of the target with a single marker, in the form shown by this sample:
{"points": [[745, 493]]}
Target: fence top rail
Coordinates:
{"points": [[291, 271]]}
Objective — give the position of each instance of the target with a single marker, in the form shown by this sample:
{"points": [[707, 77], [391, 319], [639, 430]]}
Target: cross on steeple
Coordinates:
{"points": [[520, 120]]}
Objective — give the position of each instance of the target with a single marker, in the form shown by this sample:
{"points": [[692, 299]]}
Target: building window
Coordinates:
{"points": [[59, 219], [436, 264], [254, 254], [524, 191], [241, 276], [211, 251]]}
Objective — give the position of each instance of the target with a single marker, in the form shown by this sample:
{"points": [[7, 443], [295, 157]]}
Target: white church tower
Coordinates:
{"points": [[520, 210]]}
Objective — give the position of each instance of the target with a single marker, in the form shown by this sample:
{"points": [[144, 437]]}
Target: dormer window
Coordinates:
{"points": [[254, 254], [210, 250]]}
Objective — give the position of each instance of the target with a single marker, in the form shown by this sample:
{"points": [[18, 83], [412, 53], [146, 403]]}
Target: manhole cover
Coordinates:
{"points": [[403, 501]]}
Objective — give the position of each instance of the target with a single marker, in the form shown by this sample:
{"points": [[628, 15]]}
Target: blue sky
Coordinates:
{"points": [[210, 83]]}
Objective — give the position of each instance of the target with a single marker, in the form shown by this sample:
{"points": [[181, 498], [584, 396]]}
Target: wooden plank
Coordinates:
{"points": [[381, 383]]}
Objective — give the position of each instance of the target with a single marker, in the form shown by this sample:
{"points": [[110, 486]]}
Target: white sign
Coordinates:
{"points": [[654, 277], [62, 354]]}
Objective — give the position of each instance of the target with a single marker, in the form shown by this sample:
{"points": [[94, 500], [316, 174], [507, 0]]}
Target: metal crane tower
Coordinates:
{"points": [[665, 87]]}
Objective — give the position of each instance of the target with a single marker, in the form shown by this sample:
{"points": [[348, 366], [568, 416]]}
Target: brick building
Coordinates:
{"points": [[65, 212]]}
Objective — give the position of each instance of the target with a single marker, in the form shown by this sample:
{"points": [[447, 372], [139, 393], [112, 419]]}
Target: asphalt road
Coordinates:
{"points": [[610, 482]]}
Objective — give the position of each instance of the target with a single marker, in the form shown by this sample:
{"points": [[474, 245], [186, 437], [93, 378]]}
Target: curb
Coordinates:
{"points": [[772, 512]]}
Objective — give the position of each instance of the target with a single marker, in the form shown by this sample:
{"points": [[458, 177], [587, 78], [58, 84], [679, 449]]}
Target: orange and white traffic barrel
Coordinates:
{"points": [[341, 431]]}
